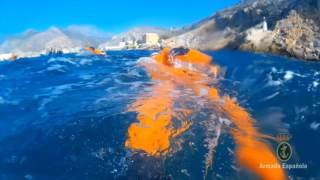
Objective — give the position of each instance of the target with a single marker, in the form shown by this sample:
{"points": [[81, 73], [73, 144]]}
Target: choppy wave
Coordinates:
{"points": [[66, 117]]}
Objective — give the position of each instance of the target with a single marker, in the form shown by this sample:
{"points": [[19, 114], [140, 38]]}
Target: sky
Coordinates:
{"points": [[113, 16]]}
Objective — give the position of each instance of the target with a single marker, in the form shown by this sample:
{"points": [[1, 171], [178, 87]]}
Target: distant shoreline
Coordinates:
{"points": [[4, 57]]}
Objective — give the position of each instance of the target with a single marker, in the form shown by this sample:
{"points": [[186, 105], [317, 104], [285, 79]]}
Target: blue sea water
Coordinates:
{"points": [[65, 117]]}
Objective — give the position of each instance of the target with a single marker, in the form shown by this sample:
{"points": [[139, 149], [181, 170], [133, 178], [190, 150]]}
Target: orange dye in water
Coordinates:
{"points": [[153, 133], [154, 130]]}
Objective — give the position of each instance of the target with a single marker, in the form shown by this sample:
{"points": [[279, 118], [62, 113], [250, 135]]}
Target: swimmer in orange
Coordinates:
{"points": [[189, 68]]}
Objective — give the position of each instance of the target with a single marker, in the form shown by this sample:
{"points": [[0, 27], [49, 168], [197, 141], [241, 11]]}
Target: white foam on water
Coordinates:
{"points": [[2, 76], [104, 81], [61, 59], [272, 82], [51, 93], [28, 177], [130, 63], [4, 101], [136, 85], [203, 92], [273, 69], [271, 96], [44, 102], [86, 76], [56, 67], [61, 89], [55, 90], [288, 75], [225, 121], [315, 84], [102, 100], [145, 59], [44, 114], [230, 150], [213, 130], [85, 61], [314, 125]]}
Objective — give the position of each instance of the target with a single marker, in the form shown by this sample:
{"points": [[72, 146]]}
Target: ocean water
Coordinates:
{"points": [[66, 117]]}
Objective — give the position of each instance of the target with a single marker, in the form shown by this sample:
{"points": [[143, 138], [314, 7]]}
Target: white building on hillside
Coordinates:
{"points": [[151, 39]]}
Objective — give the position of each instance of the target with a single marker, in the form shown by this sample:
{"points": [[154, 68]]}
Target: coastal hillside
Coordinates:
{"points": [[293, 29], [284, 27], [136, 34], [34, 42]]}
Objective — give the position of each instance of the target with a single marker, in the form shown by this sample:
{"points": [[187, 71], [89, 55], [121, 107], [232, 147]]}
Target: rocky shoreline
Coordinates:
{"points": [[293, 36], [294, 29]]}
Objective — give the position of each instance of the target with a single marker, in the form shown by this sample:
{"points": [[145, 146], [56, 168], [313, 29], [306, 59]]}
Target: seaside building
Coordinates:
{"points": [[122, 44], [151, 39], [113, 46]]}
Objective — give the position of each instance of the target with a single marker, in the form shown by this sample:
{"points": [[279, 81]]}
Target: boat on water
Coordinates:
{"points": [[13, 57], [53, 52], [95, 51], [9, 57]]}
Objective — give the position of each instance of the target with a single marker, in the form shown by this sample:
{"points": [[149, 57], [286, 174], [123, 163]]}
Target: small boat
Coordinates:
{"points": [[13, 57], [95, 51]]}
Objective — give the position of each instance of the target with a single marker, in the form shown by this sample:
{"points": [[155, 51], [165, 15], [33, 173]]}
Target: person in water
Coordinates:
{"points": [[192, 69]]}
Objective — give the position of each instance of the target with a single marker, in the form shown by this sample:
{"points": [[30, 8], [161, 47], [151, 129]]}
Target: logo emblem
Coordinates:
{"points": [[284, 151]]}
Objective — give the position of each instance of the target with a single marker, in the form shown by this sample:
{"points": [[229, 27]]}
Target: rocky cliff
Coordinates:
{"points": [[293, 29]]}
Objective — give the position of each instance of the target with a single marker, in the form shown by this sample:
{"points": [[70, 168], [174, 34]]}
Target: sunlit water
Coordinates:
{"points": [[67, 117]]}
